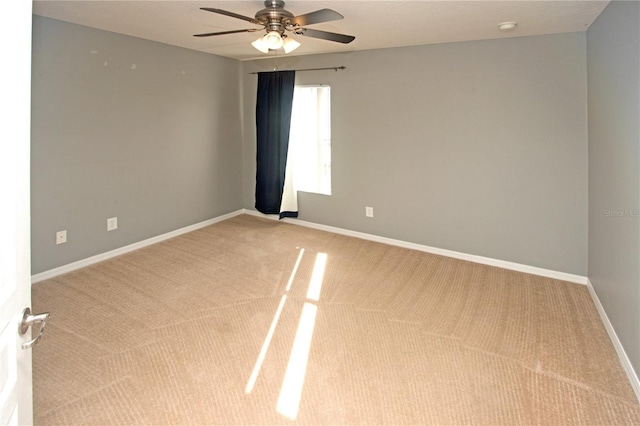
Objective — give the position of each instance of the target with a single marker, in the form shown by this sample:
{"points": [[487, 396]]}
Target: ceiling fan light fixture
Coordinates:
{"points": [[261, 45], [273, 40], [289, 45]]}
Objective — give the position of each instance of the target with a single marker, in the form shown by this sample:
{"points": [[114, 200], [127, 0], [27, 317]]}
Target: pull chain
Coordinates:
{"points": [[275, 60]]}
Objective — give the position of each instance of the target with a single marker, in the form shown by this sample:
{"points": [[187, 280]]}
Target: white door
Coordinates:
{"points": [[16, 405]]}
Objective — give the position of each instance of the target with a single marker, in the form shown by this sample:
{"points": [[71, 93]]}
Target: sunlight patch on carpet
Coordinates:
{"points": [[315, 285], [291, 391], [293, 382], [265, 347]]}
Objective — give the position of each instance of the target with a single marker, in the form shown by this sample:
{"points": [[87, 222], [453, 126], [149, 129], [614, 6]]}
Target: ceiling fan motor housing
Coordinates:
{"points": [[274, 16]]}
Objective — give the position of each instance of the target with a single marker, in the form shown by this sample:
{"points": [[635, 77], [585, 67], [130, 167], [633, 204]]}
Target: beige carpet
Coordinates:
{"points": [[172, 334]]}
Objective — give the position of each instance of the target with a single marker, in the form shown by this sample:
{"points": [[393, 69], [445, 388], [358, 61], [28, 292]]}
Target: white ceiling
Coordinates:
{"points": [[375, 24]]}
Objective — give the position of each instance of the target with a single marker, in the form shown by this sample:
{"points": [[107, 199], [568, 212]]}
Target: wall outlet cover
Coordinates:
{"points": [[112, 223], [61, 237]]}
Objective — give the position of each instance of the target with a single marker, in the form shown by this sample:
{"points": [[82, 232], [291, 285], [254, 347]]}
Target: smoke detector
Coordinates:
{"points": [[505, 27]]}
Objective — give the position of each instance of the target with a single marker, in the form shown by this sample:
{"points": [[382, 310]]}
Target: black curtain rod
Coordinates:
{"points": [[308, 69]]}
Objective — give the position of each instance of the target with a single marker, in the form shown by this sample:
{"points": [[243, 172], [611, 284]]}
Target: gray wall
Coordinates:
{"points": [[614, 168], [477, 147], [125, 127]]}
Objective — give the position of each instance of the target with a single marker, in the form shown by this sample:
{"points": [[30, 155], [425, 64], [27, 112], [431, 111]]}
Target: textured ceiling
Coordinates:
{"points": [[375, 24]]}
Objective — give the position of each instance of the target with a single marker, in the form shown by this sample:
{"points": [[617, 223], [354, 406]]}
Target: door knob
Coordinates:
{"points": [[27, 321]]}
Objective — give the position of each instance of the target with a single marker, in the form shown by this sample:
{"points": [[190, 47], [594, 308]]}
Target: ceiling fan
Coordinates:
{"points": [[276, 20]]}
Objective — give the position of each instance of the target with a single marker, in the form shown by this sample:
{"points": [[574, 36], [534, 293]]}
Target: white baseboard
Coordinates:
{"points": [[624, 359], [51, 273], [563, 276], [399, 243]]}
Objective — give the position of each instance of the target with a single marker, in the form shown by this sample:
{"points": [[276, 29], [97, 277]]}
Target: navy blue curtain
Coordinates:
{"points": [[273, 120]]}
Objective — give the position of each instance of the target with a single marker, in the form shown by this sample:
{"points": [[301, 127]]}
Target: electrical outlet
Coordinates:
{"points": [[112, 223], [368, 211], [61, 237]]}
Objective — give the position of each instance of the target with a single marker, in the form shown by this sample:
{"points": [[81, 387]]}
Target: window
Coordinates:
{"points": [[310, 139]]}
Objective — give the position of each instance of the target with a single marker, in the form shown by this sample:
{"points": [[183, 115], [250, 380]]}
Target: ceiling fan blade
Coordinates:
{"points": [[231, 14], [325, 35], [249, 30], [323, 15]]}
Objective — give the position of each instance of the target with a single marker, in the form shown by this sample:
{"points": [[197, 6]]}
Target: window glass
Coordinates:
{"points": [[310, 139]]}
